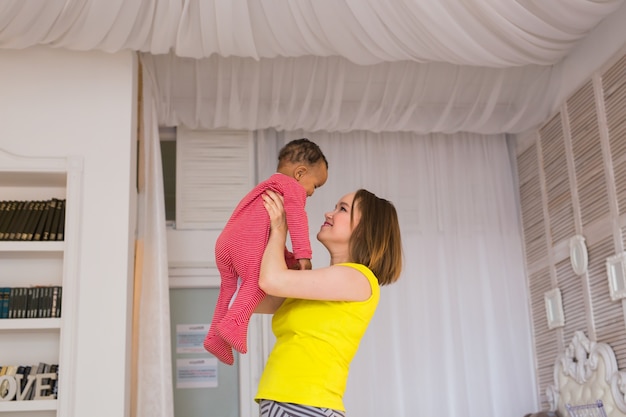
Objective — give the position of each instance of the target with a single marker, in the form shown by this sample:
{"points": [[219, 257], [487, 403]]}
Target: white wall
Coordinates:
{"points": [[604, 41], [55, 102]]}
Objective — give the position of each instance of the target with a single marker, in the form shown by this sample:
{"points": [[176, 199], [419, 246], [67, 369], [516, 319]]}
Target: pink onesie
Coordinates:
{"points": [[238, 253]]}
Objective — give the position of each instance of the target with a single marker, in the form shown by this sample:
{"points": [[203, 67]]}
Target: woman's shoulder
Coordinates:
{"points": [[361, 268], [355, 265]]}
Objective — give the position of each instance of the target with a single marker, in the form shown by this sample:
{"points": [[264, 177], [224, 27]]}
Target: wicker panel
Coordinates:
{"points": [[531, 206], [617, 341], [559, 199], [546, 342], [614, 92], [619, 172], [594, 202], [588, 161], [571, 286], [608, 315]]}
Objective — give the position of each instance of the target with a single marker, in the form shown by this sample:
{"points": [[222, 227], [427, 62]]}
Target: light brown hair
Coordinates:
{"points": [[375, 241]]}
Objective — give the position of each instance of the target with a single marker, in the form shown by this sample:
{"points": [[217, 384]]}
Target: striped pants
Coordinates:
{"points": [[276, 409]]}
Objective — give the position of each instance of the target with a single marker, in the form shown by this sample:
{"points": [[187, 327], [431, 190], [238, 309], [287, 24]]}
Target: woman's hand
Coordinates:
{"points": [[273, 203], [273, 261]]}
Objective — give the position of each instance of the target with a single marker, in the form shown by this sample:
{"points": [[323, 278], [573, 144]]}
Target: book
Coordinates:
{"points": [[33, 219], [16, 220], [3, 211], [19, 372], [22, 306], [41, 224], [12, 309], [11, 370], [59, 302], [51, 301], [56, 219], [20, 228], [61, 228], [25, 373], [4, 302], [55, 302], [45, 381], [49, 217], [54, 369], [38, 369], [41, 305], [33, 299], [9, 213], [15, 209]]}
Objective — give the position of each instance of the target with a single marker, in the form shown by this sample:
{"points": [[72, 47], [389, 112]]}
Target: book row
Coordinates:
{"points": [[32, 220], [30, 302], [28, 382]]}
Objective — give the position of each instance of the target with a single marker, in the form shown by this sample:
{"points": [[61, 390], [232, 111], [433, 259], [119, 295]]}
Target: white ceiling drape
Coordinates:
{"points": [[333, 94], [490, 33], [482, 66]]}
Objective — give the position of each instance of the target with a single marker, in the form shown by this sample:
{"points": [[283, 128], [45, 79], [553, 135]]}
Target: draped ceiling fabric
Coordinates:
{"points": [[484, 66]]}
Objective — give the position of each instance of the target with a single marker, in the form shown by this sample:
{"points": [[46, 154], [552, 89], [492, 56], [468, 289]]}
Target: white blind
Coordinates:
{"points": [[214, 170]]}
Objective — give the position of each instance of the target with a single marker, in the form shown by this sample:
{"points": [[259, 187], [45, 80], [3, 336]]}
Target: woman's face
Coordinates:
{"points": [[337, 227]]}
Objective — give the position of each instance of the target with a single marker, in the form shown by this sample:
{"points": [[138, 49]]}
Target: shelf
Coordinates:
{"points": [[30, 324], [30, 246], [43, 263], [31, 405]]}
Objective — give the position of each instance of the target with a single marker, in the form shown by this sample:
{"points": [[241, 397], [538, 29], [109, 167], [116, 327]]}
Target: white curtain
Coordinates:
{"points": [[452, 337], [153, 390], [333, 94]]}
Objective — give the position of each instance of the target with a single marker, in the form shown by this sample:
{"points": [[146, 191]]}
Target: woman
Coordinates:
{"points": [[324, 312]]}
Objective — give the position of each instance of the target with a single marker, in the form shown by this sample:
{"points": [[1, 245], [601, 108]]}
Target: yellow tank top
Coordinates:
{"points": [[315, 343]]}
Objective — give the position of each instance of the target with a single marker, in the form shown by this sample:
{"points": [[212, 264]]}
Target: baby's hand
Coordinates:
{"points": [[305, 264]]}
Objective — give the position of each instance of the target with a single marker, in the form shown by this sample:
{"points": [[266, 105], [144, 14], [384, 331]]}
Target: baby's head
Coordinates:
{"points": [[304, 161]]}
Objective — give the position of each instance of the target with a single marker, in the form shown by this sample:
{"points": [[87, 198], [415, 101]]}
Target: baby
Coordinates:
{"points": [[302, 167]]}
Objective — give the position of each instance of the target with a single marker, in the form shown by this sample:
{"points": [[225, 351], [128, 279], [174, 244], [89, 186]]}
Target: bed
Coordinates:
{"points": [[586, 377]]}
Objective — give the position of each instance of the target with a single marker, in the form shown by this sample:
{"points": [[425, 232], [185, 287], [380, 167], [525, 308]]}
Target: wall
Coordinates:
{"points": [[594, 50], [572, 181], [56, 102]]}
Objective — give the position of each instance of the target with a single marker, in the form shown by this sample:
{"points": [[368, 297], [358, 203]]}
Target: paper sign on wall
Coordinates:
{"points": [[190, 338], [196, 373]]}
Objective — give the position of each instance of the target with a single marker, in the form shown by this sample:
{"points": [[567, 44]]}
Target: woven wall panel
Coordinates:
{"points": [[558, 194], [546, 342], [608, 315], [588, 161], [617, 341], [571, 286], [614, 93], [531, 206], [586, 130]]}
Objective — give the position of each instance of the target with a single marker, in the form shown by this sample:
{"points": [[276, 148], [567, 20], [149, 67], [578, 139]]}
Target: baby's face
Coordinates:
{"points": [[314, 177]]}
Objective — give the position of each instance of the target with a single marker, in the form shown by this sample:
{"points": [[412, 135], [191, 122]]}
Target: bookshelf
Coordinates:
{"points": [[52, 340]]}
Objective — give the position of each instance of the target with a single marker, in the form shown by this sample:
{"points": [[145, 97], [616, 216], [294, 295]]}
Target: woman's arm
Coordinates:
{"points": [[269, 304], [336, 283]]}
